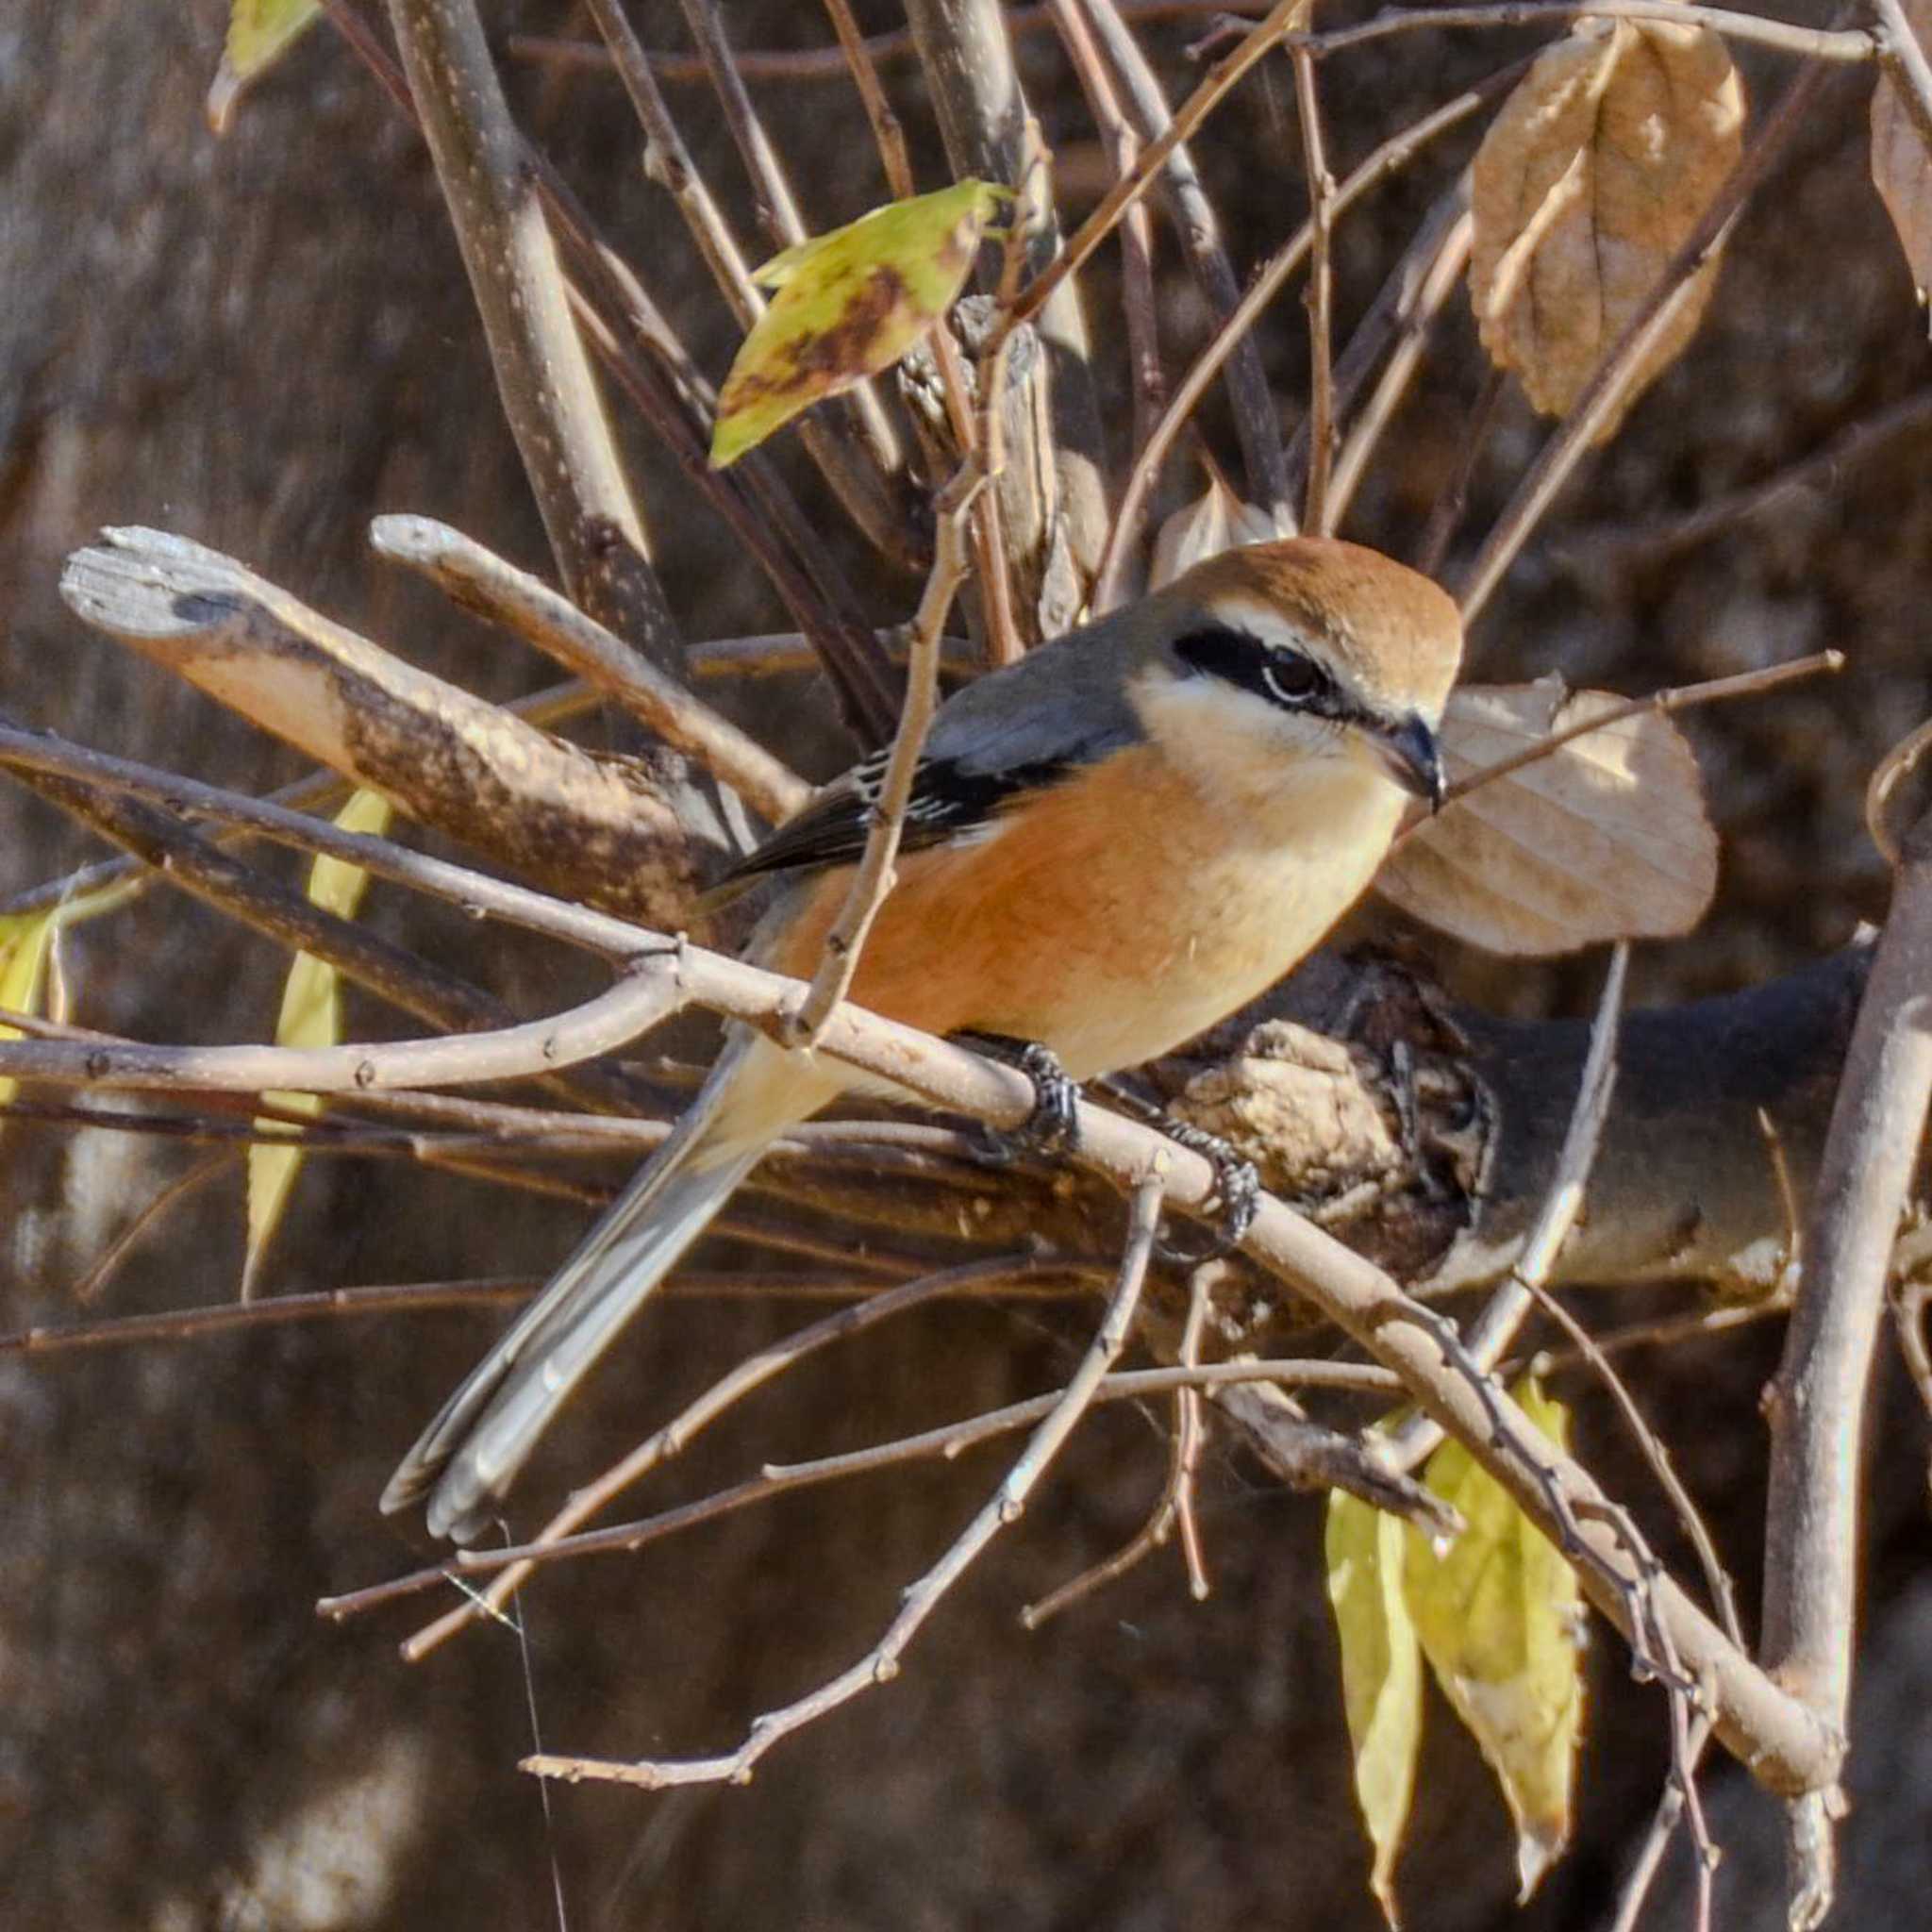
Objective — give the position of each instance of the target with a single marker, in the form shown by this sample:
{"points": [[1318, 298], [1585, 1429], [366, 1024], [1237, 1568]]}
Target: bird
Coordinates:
{"points": [[1111, 845]]}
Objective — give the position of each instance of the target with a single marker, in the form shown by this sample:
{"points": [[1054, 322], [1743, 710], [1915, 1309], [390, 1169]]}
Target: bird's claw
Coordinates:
{"points": [[1053, 1125], [1237, 1191]]}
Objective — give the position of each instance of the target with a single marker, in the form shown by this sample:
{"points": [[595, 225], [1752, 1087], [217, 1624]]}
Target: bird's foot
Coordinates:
{"points": [[1237, 1191], [1053, 1127]]}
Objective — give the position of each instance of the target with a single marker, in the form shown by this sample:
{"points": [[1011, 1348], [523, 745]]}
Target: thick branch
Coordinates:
{"points": [[1818, 1401], [542, 373], [596, 828]]}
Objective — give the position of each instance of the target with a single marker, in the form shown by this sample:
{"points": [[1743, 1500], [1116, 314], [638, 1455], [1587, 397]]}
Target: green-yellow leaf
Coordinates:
{"points": [[1501, 1622], [312, 1015], [25, 940], [259, 33], [848, 305], [1381, 1675], [26, 951]]}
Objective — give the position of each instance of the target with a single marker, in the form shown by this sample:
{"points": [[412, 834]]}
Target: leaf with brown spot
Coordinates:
{"points": [[848, 305], [1605, 839], [1901, 164], [1591, 178]]}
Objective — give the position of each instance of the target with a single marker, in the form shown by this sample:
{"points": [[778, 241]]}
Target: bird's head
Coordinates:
{"points": [[1308, 650]]}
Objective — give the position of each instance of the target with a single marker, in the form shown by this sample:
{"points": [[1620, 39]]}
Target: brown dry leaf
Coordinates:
{"points": [[1588, 181], [1605, 839], [1900, 166], [1217, 520]]}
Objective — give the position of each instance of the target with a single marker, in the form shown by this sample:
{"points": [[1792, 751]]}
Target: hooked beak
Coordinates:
{"points": [[1413, 760]]}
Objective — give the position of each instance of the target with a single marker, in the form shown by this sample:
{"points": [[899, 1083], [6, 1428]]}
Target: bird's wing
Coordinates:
{"points": [[1017, 730]]}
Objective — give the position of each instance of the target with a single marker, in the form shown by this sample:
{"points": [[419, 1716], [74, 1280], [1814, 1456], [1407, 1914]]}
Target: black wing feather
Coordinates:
{"points": [[949, 801]]}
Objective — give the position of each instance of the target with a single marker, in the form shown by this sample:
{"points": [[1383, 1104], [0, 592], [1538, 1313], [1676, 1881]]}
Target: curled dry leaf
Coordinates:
{"points": [[1901, 166], [1605, 839], [1588, 181], [1217, 520]]}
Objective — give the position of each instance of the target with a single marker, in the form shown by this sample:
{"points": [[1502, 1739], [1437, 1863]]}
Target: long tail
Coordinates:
{"points": [[465, 1460]]}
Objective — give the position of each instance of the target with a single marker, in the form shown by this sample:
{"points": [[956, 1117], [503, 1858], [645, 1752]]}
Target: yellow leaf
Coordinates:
{"points": [[1600, 164], [1901, 166], [1501, 1622], [848, 305], [312, 1015], [1381, 1675], [1606, 838], [259, 32]]}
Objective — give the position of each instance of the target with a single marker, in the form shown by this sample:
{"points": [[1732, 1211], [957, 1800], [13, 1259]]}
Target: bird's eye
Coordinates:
{"points": [[1292, 679]]}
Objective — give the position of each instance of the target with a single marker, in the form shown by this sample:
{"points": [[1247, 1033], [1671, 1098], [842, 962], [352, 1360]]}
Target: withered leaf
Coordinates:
{"points": [[1593, 174], [848, 305], [1901, 164], [1217, 520], [1603, 839]]}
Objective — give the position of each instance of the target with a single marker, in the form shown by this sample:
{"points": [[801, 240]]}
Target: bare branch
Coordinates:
{"points": [[1816, 1403], [881, 1663], [595, 828], [481, 582], [1256, 422], [1320, 297]]}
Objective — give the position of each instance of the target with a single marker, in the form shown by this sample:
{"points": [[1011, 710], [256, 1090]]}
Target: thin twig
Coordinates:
{"points": [[946, 1443], [777, 208], [1392, 154], [1824, 469], [1319, 296], [881, 1663], [857, 474], [872, 879], [1147, 381], [1445, 514], [96, 1279], [475, 893], [1416, 318], [1853, 47], [1679, 697], [481, 580], [1197, 228], [1490, 1334], [1626, 358], [1175, 1505], [821, 63], [666, 1444]]}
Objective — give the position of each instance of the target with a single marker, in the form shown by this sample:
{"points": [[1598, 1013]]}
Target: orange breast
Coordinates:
{"points": [[1118, 914]]}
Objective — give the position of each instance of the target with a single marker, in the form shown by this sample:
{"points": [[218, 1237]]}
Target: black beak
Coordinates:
{"points": [[1414, 758]]}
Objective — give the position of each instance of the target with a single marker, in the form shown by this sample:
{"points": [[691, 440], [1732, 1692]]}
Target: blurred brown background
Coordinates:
{"points": [[261, 342]]}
